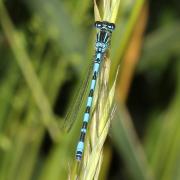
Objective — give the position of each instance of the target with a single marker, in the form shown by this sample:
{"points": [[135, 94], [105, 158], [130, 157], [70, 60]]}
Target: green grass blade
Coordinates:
{"points": [[28, 72], [129, 147]]}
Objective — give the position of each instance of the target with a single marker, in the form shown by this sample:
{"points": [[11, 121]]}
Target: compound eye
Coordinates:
{"points": [[111, 26], [98, 24]]}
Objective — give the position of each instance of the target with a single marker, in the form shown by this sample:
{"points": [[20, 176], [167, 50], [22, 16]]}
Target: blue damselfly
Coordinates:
{"points": [[102, 44]]}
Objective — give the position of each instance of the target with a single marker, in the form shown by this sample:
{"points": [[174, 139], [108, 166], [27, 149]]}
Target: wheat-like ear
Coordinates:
{"points": [[100, 122], [90, 165]]}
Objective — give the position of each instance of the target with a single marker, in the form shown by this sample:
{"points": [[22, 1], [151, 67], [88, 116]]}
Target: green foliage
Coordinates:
{"points": [[53, 47]]}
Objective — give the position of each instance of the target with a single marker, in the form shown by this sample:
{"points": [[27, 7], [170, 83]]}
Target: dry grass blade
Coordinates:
{"points": [[111, 10], [96, 12], [114, 9]]}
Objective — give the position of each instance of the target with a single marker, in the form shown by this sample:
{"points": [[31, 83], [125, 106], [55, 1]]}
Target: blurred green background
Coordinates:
{"points": [[45, 50]]}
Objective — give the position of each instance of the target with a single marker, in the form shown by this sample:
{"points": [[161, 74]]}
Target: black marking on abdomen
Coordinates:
{"points": [[91, 93], [82, 136], [88, 108], [84, 126]]}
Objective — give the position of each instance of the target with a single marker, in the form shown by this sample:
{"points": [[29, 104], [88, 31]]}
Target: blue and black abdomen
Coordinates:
{"points": [[80, 146], [102, 44]]}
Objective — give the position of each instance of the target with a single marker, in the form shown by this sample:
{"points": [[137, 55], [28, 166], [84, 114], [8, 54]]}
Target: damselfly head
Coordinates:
{"points": [[104, 25]]}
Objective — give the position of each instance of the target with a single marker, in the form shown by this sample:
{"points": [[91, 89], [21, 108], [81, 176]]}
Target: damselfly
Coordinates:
{"points": [[102, 44]]}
